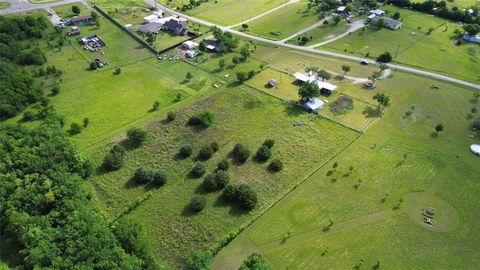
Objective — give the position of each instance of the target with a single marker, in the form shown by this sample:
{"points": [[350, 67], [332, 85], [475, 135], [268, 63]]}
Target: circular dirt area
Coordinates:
{"points": [[445, 218]]}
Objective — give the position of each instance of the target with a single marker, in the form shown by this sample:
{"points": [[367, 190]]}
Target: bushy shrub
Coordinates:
{"points": [[198, 260], [215, 147], [28, 115], [216, 181], [159, 178], [114, 159], [143, 176], [223, 165], [276, 165], [263, 153], [185, 151], [197, 204], [75, 129], [476, 124], [204, 119], [241, 194], [171, 116], [206, 152], [55, 90], [240, 153], [198, 170], [255, 262], [269, 143], [136, 136]]}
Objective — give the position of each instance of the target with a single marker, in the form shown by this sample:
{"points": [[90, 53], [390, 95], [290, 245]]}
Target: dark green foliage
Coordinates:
{"points": [[227, 41], [476, 124], [93, 66], [75, 9], [215, 147], [155, 106], [223, 165], [28, 115], [48, 205], [159, 178], [216, 181], [206, 152], [143, 176], [382, 99], [75, 129], [117, 71], [17, 90], [263, 153], [472, 29], [136, 136], [114, 159], [198, 260], [276, 165], [33, 57], [86, 122], [241, 194], [240, 153], [309, 90], [185, 151], [204, 119], [171, 116], [341, 105], [133, 238], [385, 57], [269, 143], [198, 170], [255, 262], [439, 128], [197, 204], [55, 90]]}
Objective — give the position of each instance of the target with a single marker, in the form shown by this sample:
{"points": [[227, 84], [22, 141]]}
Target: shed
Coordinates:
{"points": [[326, 88], [191, 54], [377, 12], [80, 19], [153, 28], [475, 148], [341, 9], [189, 44], [313, 105], [272, 83], [212, 45]]}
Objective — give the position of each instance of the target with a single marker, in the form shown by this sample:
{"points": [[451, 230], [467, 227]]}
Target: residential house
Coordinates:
{"points": [[191, 54], [377, 12], [388, 22], [189, 45], [80, 19], [152, 28], [178, 26], [325, 87]]}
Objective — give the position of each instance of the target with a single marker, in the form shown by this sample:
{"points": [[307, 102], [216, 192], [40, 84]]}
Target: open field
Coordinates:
{"points": [[4, 5], [65, 11], [241, 115], [274, 26], [322, 33], [373, 194], [227, 12], [458, 3], [412, 45]]}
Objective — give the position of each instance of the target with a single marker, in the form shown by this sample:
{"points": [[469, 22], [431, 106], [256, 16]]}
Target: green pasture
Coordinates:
{"points": [[227, 12], [322, 33], [365, 206], [283, 22], [458, 3], [65, 11], [242, 115], [412, 45]]}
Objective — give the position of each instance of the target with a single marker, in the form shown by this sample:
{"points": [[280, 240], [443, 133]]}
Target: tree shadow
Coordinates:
{"points": [[131, 183], [187, 212], [294, 109], [434, 134], [128, 145], [201, 190], [235, 210]]}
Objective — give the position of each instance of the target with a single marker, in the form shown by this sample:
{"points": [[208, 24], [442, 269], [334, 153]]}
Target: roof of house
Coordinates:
{"points": [[377, 12], [322, 85], [190, 44], [150, 17], [472, 38], [175, 24], [150, 27], [81, 18], [325, 85], [303, 77], [341, 9], [387, 20], [314, 104]]}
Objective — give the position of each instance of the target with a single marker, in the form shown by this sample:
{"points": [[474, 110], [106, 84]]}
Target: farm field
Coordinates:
{"points": [[458, 3], [412, 45], [322, 33], [364, 206], [260, 117], [227, 12], [273, 25]]}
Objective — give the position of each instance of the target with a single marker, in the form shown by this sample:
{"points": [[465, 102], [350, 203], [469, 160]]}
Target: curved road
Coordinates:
{"points": [[320, 52], [18, 6]]}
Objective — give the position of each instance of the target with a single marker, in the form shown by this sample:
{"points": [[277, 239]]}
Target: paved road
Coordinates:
{"points": [[18, 6], [265, 13], [353, 27], [320, 52]]}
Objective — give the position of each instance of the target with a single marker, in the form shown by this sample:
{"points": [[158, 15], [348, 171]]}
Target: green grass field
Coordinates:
{"points": [[459, 3], [396, 156], [227, 12], [274, 26], [412, 45], [4, 5], [322, 33], [65, 11], [260, 117]]}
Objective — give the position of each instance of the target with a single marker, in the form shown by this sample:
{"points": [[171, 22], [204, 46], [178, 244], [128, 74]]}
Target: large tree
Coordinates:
{"points": [[309, 90]]}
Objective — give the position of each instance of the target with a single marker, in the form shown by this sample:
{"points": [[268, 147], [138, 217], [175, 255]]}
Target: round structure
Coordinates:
{"points": [[475, 148]]}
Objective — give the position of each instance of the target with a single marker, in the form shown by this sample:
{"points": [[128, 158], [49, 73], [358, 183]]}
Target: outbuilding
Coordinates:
{"points": [[326, 88], [189, 45], [80, 19], [472, 38], [150, 19], [388, 22], [152, 28], [212, 45], [475, 148], [377, 12], [272, 83], [191, 54], [313, 105]]}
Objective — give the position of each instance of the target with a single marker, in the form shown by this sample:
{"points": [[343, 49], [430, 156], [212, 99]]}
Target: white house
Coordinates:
{"points": [[191, 54], [377, 12], [150, 19], [153, 28], [326, 88], [189, 45], [388, 22], [313, 105]]}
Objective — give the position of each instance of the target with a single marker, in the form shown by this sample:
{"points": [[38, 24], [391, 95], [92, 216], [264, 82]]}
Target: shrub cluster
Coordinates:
{"points": [[114, 159], [223, 165], [204, 119], [207, 151], [159, 178], [136, 136], [197, 204], [143, 176], [171, 116], [243, 195], [276, 165], [216, 181], [198, 170], [240, 153], [185, 151]]}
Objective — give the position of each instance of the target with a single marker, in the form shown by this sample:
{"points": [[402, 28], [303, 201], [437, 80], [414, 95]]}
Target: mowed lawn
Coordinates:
{"points": [[242, 115], [227, 12], [412, 45], [322, 33], [284, 22], [373, 194]]}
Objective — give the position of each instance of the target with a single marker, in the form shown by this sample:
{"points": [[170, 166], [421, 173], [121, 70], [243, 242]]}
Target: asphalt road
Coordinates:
{"points": [[18, 6], [320, 52]]}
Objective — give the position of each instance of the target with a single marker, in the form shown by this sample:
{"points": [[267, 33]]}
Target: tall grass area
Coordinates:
{"points": [[242, 115], [424, 41]]}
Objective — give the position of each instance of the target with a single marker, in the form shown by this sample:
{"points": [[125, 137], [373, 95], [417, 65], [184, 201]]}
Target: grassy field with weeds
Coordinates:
{"points": [[424, 41], [242, 115], [321, 33]]}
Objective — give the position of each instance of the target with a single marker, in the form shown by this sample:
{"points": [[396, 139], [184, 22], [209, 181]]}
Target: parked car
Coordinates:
{"points": [[364, 63]]}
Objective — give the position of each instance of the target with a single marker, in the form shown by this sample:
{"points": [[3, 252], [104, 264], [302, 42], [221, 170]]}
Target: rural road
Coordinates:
{"points": [[319, 52], [18, 6], [303, 31]]}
